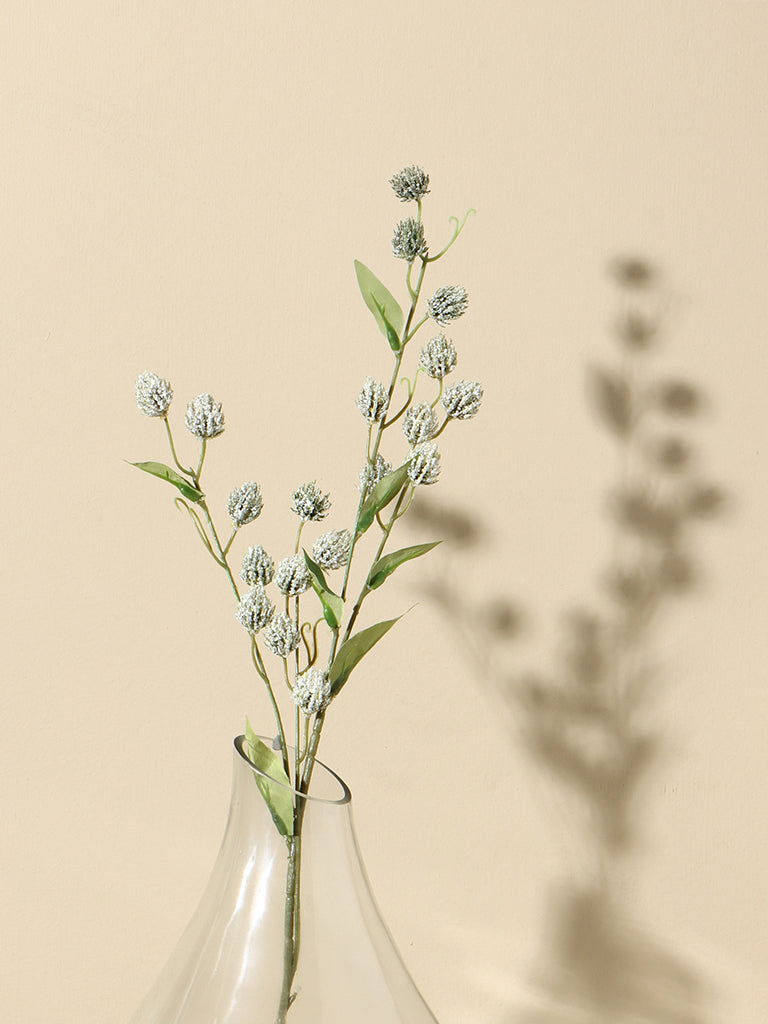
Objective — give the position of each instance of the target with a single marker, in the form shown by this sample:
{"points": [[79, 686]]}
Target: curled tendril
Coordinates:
{"points": [[457, 229], [181, 504], [311, 654]]}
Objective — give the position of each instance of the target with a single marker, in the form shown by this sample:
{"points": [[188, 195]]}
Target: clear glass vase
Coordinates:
{"points": [[230, 965]]}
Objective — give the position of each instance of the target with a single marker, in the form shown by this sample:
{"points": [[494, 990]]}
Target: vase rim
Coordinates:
{"points": [[346, 793]]}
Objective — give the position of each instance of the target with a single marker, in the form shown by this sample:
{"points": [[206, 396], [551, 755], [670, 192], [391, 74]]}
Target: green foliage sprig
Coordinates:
{"points": [[317, 648]]}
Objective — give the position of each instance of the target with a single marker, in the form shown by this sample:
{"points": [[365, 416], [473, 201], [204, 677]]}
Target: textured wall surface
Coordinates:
{"points": [[184, 190]]}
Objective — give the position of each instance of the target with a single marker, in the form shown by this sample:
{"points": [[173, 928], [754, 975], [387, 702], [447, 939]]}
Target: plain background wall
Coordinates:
{"points": [[184, 189]]}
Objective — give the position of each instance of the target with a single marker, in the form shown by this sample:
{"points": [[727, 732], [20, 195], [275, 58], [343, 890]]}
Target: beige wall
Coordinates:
{"points": [[184, 188]]}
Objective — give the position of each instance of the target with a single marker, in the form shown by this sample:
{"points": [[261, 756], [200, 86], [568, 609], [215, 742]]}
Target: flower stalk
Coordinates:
{"points": [[315, 679]]}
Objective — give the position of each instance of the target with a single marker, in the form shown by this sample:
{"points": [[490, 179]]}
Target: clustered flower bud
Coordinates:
{"points": [[438, 357], [448, 304], [292, 576], [312, 691], [424, 463], [153, 394], [462, 400], [331, 550], [408, 241], [204, 417], [255, 610], [281, 636], [410, 184], [420, 423], [371, 475], [245, 504], [373, 400], [309, 502], [257, 567]]}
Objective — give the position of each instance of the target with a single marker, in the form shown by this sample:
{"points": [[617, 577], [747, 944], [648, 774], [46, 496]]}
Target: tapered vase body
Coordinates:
{"points": [[229, 966]]}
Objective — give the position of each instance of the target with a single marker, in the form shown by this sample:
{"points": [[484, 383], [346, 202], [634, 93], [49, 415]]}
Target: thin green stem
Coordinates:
{"points": [[203, 450], [183, 469], [181, 504], [458, 228], [441, 428], [259, 665]]}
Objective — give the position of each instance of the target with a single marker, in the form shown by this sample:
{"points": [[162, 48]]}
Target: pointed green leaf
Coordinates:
{"points": [[381, 495], [386, 311], [333, 606], [387, 565], [164, 472], [278, 798], [392, 336], [354, 649]]}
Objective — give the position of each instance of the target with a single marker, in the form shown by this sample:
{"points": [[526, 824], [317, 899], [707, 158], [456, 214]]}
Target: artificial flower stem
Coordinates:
{"points": [[203, 450], [188, 472], [259, 665]]}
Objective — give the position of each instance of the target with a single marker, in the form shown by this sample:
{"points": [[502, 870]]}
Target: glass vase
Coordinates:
{"points": [[231, 965]]}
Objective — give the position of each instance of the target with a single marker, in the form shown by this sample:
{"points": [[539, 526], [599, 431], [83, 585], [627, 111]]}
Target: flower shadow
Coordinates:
{"points": [[587, 721]]}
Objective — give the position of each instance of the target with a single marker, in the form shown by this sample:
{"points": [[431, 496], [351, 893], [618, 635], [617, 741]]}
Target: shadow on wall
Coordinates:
{"points": [[586, 722]]}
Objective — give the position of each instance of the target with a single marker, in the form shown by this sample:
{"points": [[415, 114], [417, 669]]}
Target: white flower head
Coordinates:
{"points": [[204, 417], [448, 304], [373, 400], [281, 636], [410, 184], [153, 394], [463, 399], [292, 576], [438, 357], [257, 567], [331, 550], [255, 610], [312, 691], [408, 241], [420, 423], [309, 502], [424, 463], [245, 504], [371, 474]]}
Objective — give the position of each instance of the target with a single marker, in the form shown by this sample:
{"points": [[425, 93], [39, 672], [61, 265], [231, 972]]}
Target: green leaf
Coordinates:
{"points": [[164, 472], [333, 606], [387, 565], [381, 495], [351, 652], [392, 336], [278, 798], [384, 306]]}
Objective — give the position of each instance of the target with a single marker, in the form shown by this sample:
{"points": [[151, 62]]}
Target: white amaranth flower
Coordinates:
{"points": [[310, 503], [408, 241], [448, 304], [371, 475], [331, 550], [255, 610], [424, 463], [462, 400], [292, 576], [410, 184], [257, 567], [438, 357], [281, 636], [373, 400], [420, 423], [153, 394], [312, 691], [245, 504], [204, 417]]}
